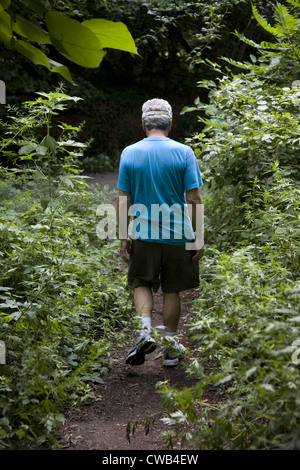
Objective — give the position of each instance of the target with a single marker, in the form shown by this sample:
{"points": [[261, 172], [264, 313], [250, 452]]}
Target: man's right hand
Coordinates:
{"points": [[125, 249]]}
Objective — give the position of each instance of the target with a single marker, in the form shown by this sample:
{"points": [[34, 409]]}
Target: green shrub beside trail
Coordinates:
{"points": [[61, 295]]}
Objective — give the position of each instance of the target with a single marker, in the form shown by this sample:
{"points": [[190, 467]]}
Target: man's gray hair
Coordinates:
{"points": [[157, 114]]}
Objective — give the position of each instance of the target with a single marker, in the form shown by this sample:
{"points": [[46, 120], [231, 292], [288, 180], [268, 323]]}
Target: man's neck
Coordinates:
{"points": [[156, 133]]}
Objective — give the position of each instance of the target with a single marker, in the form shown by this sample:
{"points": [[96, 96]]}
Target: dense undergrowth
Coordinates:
{"points": [[246, 317], [62, 296]]}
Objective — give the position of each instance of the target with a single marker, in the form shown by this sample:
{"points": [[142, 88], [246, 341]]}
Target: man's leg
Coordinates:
{"points": [[171, 311], [145, 344], [143, 301], [173, 350]]}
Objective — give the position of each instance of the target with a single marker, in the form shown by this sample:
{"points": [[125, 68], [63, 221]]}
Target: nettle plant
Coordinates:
{"points": [[47, 149]]}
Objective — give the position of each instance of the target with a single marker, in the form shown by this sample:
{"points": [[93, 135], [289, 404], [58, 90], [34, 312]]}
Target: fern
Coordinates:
{"points": [[242, 65], [295, 3], [274, 46], [284, 52], [263, 22], [287, 23], [279, 46], [248, 41]]}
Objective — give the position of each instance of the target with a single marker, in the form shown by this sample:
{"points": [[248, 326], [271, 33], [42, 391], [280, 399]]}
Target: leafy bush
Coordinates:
{"points": [[61, 294], [247, 326], [245, 333], [250, 129], [278, 61]]}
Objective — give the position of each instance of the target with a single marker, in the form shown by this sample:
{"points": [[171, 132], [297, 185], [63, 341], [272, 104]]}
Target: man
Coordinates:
{"points": [[158, 179]]}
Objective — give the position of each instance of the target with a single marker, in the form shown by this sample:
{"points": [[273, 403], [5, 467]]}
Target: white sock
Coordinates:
{"points": [[145, 326], [170, 337]]}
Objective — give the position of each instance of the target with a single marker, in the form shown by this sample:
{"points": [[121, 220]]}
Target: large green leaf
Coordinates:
{"points": [[30, 31], [111, 35], [73, 40], [38, 6], [5, 3], [5, 26], [39, 58], [59, 68], [81, 43], [32, 53]]}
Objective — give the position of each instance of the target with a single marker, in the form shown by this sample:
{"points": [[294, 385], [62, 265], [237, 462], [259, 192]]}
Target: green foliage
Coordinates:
{"points": [[245, 328], [175, 38], [28, 139], [62, 297], [249, 129], [278, 61], [81, 43]]}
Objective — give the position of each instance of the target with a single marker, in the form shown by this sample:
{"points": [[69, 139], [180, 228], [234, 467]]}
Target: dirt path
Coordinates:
{"points": [[116, 419], [109, 179]]}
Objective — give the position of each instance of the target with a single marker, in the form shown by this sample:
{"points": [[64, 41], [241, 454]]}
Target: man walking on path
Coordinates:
{"points": [[159, 179]]}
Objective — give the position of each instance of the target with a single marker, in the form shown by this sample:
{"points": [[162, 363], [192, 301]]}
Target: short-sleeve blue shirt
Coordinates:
{"points": [[157, 171]]}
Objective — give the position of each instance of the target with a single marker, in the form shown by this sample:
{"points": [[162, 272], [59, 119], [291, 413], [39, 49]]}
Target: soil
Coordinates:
{"points": [[126, 412]]}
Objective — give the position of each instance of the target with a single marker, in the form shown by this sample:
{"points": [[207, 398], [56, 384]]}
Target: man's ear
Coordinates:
{"points": [[143, 125]]}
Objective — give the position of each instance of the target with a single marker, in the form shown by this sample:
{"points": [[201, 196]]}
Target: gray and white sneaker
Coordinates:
{"points": [[144, 345], [173, 353]]}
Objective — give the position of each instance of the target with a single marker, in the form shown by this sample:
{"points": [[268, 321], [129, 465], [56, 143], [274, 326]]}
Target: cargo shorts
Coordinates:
{"points": [[158, 265]]}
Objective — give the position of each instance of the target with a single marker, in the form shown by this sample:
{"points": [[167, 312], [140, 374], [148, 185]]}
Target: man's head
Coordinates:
{"points": [[157, 114]]}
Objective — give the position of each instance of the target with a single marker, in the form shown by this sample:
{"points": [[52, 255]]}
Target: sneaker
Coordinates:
{"points": [[143, 346], [173, 353]]}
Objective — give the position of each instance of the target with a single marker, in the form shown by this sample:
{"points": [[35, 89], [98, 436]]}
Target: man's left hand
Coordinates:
{"points": [[198, 254]]}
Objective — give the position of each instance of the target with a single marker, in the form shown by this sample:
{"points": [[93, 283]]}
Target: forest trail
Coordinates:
{"points": [[126, 411], [109, 179]]}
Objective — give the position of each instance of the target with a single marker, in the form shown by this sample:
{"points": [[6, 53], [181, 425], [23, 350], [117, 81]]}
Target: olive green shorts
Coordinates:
{"points": [[157, 265]]}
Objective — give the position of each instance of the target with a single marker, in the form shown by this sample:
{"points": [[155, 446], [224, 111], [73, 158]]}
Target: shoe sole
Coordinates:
{"points": [[137, 357], [171, 362]]}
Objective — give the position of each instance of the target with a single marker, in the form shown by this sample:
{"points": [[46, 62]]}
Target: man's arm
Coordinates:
{"points": [[193, 197], [123, 204]]}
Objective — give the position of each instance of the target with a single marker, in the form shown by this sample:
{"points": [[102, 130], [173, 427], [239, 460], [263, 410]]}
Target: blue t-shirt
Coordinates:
{"points": [[157, 171]]}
